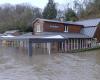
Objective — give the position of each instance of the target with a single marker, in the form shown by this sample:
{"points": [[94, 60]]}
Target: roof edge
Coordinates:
{"points": [[48, 20]]}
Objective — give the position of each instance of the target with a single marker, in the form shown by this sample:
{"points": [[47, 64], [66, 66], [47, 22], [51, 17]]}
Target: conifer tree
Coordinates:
{"points": [[50, 11], [70, 15]]}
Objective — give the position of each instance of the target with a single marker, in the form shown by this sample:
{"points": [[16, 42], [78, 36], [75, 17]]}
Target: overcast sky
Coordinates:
{"points": [[37, 3]]}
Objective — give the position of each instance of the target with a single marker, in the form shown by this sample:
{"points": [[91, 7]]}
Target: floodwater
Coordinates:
{"points": [[16, 65]]}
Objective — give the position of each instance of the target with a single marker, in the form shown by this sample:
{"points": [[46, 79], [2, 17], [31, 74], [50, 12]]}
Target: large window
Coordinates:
{"points": [[66, 29], [38, 28]]}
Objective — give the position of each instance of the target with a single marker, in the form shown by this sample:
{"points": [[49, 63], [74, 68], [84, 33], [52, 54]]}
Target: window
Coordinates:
{"points": [[38, 28], [66, 29]]}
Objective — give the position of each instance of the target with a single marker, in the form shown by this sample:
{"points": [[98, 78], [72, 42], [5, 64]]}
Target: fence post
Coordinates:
{"points": [[30, 47]]}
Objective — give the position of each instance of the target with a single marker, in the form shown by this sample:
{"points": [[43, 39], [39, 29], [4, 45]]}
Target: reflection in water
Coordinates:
{"points": [[16, 65]]}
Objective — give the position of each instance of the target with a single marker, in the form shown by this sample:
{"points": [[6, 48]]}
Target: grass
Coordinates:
{"points": [[83, 50]]}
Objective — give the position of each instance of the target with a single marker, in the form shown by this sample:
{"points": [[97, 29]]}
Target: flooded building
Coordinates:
{"points": [[57, 36], [72, 33]]}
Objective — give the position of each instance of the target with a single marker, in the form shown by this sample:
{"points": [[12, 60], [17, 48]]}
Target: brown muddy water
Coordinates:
{"points": [[16, 65]]}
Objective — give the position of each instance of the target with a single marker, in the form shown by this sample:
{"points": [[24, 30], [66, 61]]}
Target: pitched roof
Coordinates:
{"points": [[57, 21], [75, 35], [89, 31], [12, 31], [89, 22], [90, 26], [64, 34], [50, 36]]}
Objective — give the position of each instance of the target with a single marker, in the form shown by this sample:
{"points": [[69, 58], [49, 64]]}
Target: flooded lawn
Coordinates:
{"points": [[16, 65]]}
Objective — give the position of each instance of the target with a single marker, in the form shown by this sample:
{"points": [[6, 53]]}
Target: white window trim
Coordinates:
{"points": [[38, 28], [66, 29]]}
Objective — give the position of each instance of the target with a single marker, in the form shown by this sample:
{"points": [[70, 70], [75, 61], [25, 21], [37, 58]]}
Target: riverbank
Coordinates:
{"points": [[83, 50]]}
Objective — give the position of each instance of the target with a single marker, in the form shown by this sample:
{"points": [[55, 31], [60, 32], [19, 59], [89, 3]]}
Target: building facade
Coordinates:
{"points": [[44, 25], [75, 35]]}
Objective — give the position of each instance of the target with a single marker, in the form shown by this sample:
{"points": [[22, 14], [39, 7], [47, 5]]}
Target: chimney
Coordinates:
{"points": [[61, 19]]}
